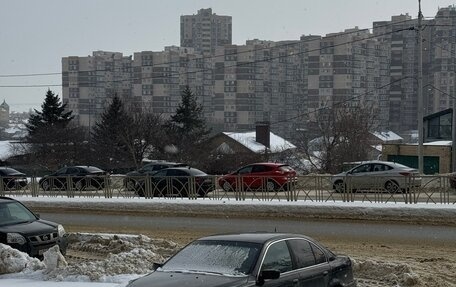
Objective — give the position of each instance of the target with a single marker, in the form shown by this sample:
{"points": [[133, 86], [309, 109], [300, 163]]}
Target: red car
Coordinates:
{"points": [[267, 176]]}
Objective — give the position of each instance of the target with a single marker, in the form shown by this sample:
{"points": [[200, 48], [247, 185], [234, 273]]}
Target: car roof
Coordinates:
{"points": [[255, 237], [268, 163]]}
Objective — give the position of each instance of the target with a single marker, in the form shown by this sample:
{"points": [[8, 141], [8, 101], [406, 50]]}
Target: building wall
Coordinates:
{"points": [[205, 31], [442, 152]]}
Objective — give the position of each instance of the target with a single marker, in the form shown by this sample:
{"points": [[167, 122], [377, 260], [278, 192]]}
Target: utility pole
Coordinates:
{"points": [[420, 92], [453, 125]]}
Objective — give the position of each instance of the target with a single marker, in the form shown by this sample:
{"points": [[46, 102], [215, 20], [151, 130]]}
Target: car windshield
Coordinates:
{"points": [[14, 213], [229, 258], [10, 171]]}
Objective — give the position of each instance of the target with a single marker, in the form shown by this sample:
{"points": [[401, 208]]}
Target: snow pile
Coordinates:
{"points": [[90, 257], [14, 261], [396, 274]]}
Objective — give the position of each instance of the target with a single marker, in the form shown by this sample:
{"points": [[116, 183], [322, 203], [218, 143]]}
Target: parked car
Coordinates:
{"points": [[21, 229], [12, 179], [252, 259], [268, 176], [377, 175], [176, 181], [131, 178], [76, 177]]}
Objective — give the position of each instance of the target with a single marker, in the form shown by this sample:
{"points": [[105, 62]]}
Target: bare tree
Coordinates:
{"points": [[342, 135]]}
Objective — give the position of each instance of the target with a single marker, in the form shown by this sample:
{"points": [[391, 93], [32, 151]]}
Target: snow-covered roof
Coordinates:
{"points": [[248, 139], [387, 136]]}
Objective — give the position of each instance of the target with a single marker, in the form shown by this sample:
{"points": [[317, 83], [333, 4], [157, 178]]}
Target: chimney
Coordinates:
{"points": [[262, 134]]}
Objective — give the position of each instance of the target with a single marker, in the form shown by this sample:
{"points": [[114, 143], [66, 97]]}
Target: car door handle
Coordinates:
{"points": [[295, 281], [325, 273]]}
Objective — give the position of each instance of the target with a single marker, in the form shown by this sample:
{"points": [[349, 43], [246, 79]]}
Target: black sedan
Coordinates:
{"points": [[12, 179], [252, 259], [176, 181], [75, 177], [132, 177]]}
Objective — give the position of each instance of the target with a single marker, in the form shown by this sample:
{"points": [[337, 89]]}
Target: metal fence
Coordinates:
{"points": [[438, 189]]}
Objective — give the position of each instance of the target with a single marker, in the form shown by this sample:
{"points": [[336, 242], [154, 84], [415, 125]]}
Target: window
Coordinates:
{"points": [[303, 252], [362, 168], [278, 258], [320, 257]]}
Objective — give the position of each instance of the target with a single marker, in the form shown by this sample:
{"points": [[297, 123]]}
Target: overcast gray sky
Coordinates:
{"points": [[35, 35]]}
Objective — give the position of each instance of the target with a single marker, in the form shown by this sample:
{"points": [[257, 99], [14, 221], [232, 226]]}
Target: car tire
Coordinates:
{"points": [[79, 185], [226, 186], [45, 185], [392, 186], [271, 185], [130, 185], [339, 186]]}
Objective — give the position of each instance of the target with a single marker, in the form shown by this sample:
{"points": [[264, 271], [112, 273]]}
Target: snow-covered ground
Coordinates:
{"points": [[112, 260]]}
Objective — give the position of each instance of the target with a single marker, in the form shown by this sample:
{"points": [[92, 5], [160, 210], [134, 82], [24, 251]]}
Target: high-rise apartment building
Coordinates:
{"points": [[345, 68], [441, 44], [160, 78], [88, 83], [284, 83], [205, 31], [255, 82]]}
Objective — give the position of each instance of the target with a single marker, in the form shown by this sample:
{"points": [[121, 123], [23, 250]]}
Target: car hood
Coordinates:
{"points": [[171, 279], [134, 173], [31, 228], [342, 174]]}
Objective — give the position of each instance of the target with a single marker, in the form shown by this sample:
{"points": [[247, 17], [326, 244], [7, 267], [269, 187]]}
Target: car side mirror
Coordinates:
{"points": [[267, 274]]}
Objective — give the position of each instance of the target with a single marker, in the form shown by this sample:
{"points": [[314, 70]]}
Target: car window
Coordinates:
{"points": [[162, 172], [259, 168], [362, 168], [320, 256], [13, 212], [278, 258], [73, 170], [61, 171], [246, 169], [179, 172], [225, 257], [303, 253], [378, 167]]}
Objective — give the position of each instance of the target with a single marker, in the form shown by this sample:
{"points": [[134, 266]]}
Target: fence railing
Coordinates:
{"points": [[438, 189]]}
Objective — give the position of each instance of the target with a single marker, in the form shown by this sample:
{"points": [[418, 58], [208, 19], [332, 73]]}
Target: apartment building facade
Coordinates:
{"points": [[284, 83], [88, 83], [205, 31]]}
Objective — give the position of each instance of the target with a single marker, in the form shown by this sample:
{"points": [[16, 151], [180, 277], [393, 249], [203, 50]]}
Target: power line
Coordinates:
{"points": [[344, 101], [242, 64]]}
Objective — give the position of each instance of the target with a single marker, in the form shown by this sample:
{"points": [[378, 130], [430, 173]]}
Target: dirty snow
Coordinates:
{"points": [[121, 259]]}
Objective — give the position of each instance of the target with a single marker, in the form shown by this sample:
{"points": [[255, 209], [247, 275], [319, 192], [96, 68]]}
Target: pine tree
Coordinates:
{"points": [[188, 127], [189, 122], [108, 136], [52, 118]]}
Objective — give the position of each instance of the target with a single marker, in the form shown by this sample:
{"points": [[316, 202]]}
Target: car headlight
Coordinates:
{"points": [[61, 230], [15, 238]]}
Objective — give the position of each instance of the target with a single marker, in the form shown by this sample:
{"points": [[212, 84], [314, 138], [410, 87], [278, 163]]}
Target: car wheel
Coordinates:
{"points": [[45, 185], [339, 186], [130, 185], [271, 185], [227, 186], [392, 187], [79, 185]]}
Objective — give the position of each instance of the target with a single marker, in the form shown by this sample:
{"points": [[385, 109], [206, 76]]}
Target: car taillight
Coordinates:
{"points": [[405, 173]]}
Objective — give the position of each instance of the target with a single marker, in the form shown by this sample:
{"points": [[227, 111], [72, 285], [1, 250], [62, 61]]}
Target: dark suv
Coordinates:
{"points": [[21, 229], [76, 177], [133, 177]]}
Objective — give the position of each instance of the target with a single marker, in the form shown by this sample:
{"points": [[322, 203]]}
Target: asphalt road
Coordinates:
{"points": [[330, 228]]}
